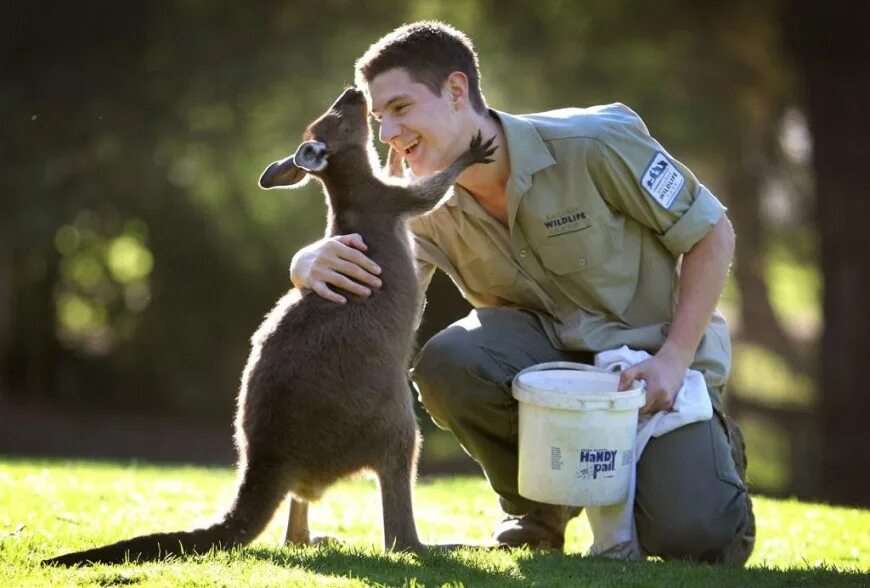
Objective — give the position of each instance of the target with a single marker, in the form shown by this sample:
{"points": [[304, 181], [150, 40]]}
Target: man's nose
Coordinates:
{"points": [[388, 131]]}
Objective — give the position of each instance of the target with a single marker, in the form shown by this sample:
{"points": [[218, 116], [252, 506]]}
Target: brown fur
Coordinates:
{"points": [[324, 392]]}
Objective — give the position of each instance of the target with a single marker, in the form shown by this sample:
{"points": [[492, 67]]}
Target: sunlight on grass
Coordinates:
{"points": [[53, 507]]}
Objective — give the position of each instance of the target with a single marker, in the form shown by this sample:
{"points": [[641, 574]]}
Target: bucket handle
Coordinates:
{"points": [[555, 365]]}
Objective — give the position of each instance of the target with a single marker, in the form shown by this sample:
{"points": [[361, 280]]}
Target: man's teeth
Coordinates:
{"points": [[410, 147]]}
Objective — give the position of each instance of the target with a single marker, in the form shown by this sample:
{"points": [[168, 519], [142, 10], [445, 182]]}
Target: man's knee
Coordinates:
{"points": [[675, 533], [453, 373]]}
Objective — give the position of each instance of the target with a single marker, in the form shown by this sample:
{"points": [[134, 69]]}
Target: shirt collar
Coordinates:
{"points": [[528, 155]]}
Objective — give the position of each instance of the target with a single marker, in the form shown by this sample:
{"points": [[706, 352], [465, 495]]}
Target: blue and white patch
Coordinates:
{"points": [[662, 180]]}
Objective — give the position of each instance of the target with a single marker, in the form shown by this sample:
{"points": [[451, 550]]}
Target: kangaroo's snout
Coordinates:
{"points": [[351, 96]]}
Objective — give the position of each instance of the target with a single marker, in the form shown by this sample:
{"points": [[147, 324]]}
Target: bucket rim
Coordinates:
{"points": [[630, 399]]}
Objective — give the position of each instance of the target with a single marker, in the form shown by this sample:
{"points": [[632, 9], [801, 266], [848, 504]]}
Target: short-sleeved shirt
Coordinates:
{"points": [[598, 217]]}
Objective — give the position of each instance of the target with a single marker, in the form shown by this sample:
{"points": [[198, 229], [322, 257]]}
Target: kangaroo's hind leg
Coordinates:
{"points": [[297, 524], [396, 476], [298, 532]]}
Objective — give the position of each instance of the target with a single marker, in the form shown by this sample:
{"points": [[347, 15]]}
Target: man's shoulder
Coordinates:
{"points": [[604, 122]]}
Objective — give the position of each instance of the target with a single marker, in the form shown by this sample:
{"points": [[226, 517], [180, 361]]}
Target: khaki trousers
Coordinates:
{"points": [[690, 501]]}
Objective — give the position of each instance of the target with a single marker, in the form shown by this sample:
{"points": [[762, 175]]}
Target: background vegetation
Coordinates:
{"points": [[137, 254]]}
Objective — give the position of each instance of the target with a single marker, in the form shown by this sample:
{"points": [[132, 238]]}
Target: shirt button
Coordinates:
{"points": [[522, 252], [581, 262]]}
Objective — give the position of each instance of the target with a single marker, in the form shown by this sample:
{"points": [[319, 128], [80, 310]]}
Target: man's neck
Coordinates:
{"points": [[488, 183]]}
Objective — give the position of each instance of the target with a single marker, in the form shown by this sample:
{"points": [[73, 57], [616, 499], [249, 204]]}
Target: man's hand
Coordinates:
{"points": [[663, 374], [338, 262]]}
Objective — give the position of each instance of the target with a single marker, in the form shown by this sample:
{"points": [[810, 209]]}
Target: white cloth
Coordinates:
{"points": [[613, 528]]}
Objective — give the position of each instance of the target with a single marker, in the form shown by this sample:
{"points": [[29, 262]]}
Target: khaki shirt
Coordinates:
{"points": [[599, 215]]}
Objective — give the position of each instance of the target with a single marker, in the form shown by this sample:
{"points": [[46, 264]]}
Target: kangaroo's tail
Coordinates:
{"points": [[259, 494]]}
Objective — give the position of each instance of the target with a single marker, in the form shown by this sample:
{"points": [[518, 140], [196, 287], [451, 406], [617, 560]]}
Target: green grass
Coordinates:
{"points": [[51, 507]]}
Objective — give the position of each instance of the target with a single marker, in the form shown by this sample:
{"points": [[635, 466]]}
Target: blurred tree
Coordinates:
{"points": [[832, 49], [137, 255]]}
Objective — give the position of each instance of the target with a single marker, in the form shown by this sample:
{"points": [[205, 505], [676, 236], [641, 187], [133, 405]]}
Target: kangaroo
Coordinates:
{"points": [[324, 392]]}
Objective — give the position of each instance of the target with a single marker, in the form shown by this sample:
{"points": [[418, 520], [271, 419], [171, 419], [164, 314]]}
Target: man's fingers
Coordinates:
{"points": [[341, 281], [652, 403], [322, 290], [353, 240], [656, 400], [352, 270], [360, 259], [626, 378]]}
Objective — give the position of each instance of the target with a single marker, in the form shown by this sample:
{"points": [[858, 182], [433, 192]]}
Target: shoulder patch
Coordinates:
{"points": [[662, 180]]}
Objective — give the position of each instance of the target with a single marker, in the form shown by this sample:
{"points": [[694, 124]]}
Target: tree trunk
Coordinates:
{"points": [[5, 311], [758, 320], [831, 47]]}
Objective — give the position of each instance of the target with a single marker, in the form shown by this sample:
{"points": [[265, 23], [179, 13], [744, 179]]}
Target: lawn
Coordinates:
{"points": [[51, 507]]}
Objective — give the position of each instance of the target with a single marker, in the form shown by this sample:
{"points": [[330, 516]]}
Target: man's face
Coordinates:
{"points": [[423, 127]]}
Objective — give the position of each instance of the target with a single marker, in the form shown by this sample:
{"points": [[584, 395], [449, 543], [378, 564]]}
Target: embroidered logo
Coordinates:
{"points": [[662, 180], [567, 221]]}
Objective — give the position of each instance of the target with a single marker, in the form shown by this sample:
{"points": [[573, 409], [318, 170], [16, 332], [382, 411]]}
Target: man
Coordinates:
{"points": [[583, 235]]}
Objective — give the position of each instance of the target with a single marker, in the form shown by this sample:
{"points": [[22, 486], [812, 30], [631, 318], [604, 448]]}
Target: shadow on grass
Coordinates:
{"points": [[579, 570], [520, 568], [472, 567]]}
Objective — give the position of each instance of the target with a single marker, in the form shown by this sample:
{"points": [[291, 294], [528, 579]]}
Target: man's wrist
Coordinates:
{"points": [[680, 354]]}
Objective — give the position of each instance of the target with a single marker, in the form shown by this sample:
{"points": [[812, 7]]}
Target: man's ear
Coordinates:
{"points": [[283, 174], [457, 85]]}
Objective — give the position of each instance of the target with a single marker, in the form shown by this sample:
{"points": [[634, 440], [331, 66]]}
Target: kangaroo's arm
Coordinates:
{"points": [[424, 195]]}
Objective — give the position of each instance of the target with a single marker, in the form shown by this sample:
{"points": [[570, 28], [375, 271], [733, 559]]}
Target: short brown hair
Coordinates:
{"points": [[429, 51]]}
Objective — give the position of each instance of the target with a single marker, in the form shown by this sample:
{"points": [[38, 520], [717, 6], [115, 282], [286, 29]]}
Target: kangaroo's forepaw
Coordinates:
{"points": [[480, 152]]}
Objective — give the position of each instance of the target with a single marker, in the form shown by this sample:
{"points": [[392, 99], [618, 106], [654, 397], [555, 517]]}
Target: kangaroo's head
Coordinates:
{"points": [[343, 127]]}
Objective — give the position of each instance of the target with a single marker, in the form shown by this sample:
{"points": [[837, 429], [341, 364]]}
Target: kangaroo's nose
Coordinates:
{"points": [[351, 95]]}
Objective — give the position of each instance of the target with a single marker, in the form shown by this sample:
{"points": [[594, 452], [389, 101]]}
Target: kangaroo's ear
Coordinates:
{"points": [[283, 174], [310, 156]]}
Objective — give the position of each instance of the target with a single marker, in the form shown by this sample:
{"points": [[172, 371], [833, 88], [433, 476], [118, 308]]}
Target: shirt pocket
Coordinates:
{"points": [[490, 274], [587, 266], [579, 251]]}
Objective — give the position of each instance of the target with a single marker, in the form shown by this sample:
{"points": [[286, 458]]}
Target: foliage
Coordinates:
{"points": [[136, 253]]}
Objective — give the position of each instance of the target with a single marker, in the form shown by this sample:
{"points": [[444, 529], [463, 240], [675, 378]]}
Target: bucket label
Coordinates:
{"points": [[555, 458], [597, 461]]}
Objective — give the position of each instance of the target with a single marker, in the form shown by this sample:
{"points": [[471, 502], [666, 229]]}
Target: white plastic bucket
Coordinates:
{"points": [[576, 434]]}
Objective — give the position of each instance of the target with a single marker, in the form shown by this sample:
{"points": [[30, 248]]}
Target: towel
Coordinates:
{"points": [[613, 529]]}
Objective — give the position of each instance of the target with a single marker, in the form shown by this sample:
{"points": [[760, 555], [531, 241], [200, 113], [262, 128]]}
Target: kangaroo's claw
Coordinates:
{"points": [[480, 152]]}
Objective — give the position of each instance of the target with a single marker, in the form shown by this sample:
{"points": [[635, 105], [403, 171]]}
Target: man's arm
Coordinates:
{"points": [[702, 279]]}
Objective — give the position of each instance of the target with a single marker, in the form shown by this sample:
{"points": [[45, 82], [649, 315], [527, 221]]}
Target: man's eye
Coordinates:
{"points": [[401, 109]]}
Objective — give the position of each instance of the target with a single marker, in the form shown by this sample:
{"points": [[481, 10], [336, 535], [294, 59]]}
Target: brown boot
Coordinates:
{"points": [[738, 551], [542, 528]]}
